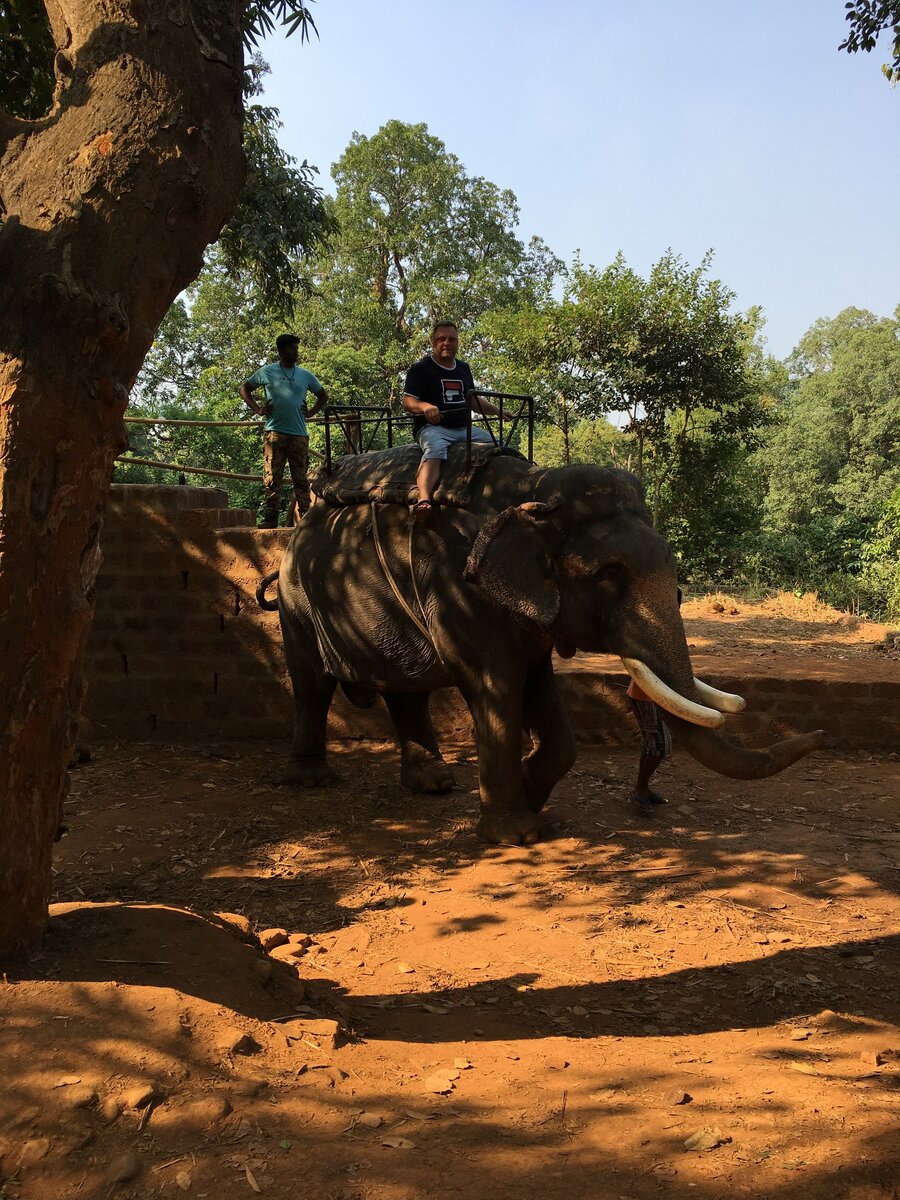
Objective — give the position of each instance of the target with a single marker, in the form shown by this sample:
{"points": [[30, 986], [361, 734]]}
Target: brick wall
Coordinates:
{"points": [[180, 650]]}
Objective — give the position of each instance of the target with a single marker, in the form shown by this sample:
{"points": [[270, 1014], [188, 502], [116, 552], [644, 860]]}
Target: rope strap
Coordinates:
{"points": [[422, 628]]}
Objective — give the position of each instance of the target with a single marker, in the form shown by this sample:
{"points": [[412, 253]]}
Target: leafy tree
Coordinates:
{"points": [[26, 58], [107, 205], [419, 240], [881, 560], [837, 449], [868, 19], [833, 461], [534, 350], [414, 237], [281, 214], [669, 352]]}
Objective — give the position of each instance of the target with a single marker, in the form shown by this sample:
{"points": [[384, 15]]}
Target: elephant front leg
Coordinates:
{"points": [[313, 689], [547, 722], [422, 769], [506, 816]]}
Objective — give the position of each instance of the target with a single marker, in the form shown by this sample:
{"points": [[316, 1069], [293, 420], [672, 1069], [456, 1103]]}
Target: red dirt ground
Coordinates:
{"points": [[556, 1021]]}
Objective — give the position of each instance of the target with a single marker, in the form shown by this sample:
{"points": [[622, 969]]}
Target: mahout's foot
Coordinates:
{"points": [[647, 801], [511, 829], [308, 774], [429, 775], [422, 509]]}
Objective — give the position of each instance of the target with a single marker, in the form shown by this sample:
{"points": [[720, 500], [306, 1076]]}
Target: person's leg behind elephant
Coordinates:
{"points": [[656, 745], [274, 458]]}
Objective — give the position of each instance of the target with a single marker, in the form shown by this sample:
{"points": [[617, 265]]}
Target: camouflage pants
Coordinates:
{"points": [[278, 449]]}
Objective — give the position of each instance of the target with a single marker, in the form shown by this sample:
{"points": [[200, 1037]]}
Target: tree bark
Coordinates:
{"points": [[106, 206]]}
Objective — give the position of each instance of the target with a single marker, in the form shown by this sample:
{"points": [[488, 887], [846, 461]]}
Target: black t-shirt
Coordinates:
{"points": [[445, 387]]}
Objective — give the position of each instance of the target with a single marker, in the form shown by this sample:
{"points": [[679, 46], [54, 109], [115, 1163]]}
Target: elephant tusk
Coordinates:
{"points": [[673, 702], [726, 702]]}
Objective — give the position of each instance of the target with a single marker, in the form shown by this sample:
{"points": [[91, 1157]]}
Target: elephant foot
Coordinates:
{"points": [[511, 829], [308, 774], [427, 775]]}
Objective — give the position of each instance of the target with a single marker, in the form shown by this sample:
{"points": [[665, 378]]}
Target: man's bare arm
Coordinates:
{"points": [[421, 408], [321, 401], [246, 393], [480, 405]]}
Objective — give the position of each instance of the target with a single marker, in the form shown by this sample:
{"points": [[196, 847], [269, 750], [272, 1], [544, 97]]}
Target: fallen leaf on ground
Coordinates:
{"points": [[706, 1139], [441, 1082], [369, 1120], [404, 968], [398, 1143], [251, 1179], [462, 1064]]}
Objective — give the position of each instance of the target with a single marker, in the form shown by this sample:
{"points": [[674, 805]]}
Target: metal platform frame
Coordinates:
{"points": [[359, 423]]}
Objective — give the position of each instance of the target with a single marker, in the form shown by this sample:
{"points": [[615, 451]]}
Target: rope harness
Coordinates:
{"points": [[419, 624]]}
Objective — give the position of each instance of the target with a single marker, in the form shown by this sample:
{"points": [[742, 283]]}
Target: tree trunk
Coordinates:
{"points": [[564, 409], [106, 205]]}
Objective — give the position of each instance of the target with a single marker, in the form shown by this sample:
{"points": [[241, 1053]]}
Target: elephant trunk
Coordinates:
{"points": [[737, 762]]}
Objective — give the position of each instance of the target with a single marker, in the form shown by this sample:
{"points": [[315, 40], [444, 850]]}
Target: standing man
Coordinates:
{"points": [[436, 392], [286, 437]]}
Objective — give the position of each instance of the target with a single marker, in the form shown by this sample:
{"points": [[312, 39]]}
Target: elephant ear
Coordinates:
{"points": [[510, 562]]}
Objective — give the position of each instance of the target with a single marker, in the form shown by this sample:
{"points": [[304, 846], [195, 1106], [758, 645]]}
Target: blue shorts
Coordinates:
{"points": [[435, 440]]}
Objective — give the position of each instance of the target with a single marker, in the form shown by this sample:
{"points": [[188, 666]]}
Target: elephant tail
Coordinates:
{"points": [[262, 588]]}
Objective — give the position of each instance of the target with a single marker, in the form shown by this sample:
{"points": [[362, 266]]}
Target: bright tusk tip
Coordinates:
{"points": [[726, 702], [670, 700]]}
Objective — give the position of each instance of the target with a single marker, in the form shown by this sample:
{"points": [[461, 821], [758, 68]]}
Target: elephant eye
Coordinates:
{"points": [[614, 573]]}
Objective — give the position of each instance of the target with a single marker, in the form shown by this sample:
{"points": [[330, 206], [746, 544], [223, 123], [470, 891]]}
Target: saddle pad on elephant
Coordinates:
{"points": [[389, 476]]}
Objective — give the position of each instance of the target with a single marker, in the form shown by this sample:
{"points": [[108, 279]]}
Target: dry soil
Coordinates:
{"points": [[702, 1004]]}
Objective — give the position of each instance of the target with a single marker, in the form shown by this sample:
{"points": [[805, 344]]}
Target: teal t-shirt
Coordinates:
{"points": [[286, 392]]}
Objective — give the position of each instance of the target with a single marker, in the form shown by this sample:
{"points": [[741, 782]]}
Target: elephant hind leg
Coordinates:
{"points": [[422, 769], [544, 717]]}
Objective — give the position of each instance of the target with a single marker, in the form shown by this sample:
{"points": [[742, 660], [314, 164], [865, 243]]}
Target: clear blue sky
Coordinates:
{"points": [[635, 127]]}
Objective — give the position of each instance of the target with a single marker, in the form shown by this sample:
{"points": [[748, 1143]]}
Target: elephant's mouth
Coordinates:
{"points": [[710, 715]]}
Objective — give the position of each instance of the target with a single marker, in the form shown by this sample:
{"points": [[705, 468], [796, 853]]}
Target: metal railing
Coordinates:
{"points": [[359, 424]]}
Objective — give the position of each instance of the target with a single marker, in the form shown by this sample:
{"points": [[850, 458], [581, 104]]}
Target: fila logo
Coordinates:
{"points": [[453, 391]]}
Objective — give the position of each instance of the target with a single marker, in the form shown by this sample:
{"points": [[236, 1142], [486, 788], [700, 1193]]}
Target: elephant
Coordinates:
{"points": [[515, 562]]}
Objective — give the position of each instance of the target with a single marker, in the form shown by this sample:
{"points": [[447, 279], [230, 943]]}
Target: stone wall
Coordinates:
{"points": [[180, 650]]}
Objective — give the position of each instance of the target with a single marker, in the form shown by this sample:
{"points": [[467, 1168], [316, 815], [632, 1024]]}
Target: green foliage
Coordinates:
{"points": [[27, 49], [868, 19], [281, 214], [260, 18], [669, 352], [832, 465], [881, 559], [26, 58], [419, 240], [205, 349], [836, 451]]}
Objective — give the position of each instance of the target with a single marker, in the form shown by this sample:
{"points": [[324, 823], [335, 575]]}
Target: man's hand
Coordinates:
{"points": [[431, 413]]}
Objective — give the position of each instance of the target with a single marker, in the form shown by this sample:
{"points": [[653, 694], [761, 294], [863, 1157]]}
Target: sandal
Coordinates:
{"points": [[422, 509]]}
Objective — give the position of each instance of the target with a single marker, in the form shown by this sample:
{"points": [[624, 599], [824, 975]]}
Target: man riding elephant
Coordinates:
{"points": [[438, 393]]}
